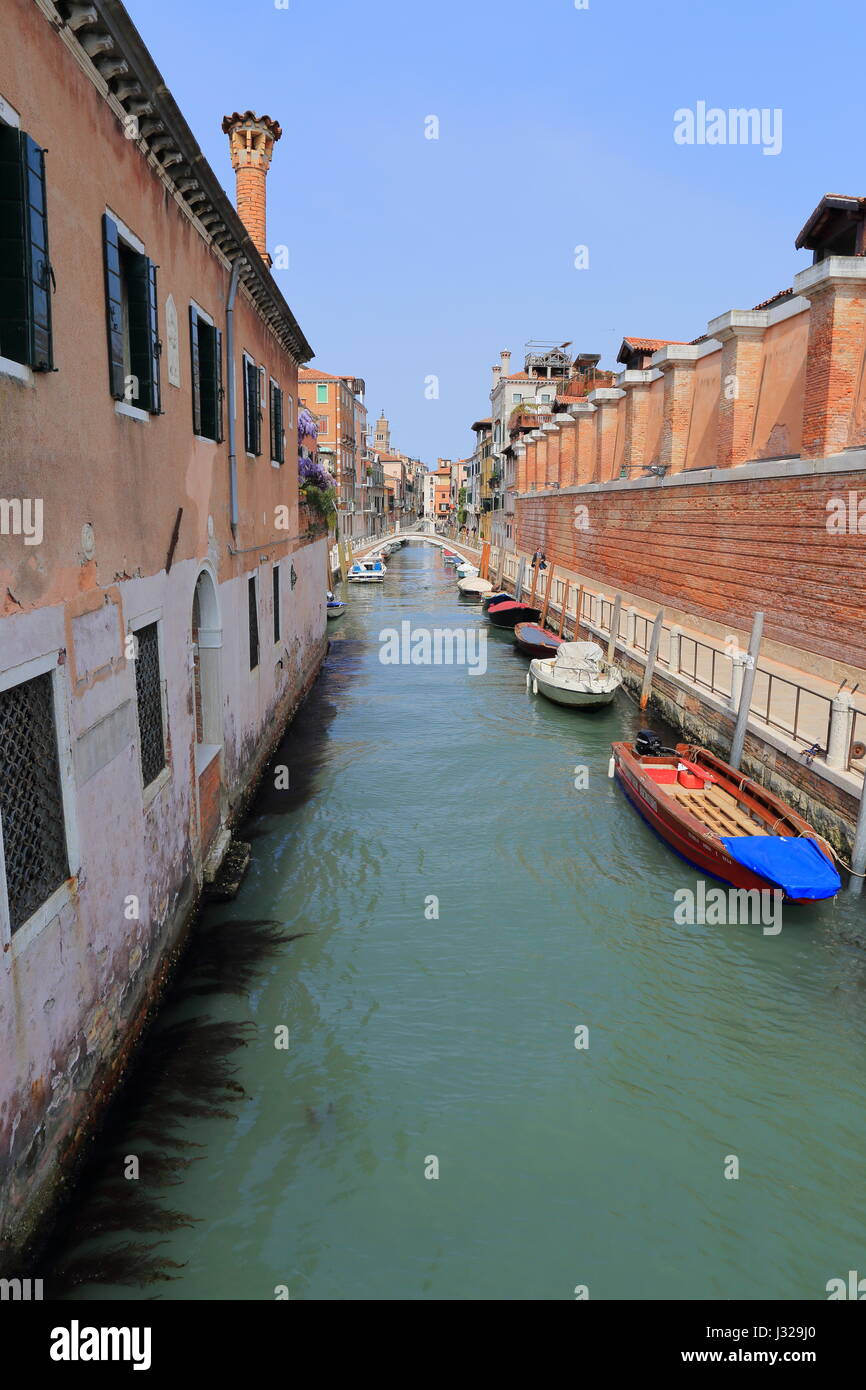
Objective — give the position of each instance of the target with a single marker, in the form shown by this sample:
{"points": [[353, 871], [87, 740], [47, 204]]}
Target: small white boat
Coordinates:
{"points": [[578, 676], [474, 587], [369, 571], [467, 570]]}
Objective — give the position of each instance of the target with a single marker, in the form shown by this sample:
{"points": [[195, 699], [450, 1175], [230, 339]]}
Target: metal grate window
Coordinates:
{"points": [[276, 574], [254, 623], [31, 801], [148, 692]]}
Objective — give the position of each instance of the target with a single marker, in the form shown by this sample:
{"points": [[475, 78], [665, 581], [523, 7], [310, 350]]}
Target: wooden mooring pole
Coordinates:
{"points": [[651, 659], [750, 664], [547, 594], [614, 627]]}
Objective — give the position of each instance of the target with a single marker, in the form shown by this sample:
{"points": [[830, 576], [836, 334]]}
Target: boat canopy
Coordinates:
{"points": [[796, 864], [578, 655]]}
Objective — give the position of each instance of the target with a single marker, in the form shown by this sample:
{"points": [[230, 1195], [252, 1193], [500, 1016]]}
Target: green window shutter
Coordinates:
{"points": [[195, 371], [252, 408], [39, 268], [26, 275], [247, 436], [154, 344], [113, 307], [144, 344], [279, 445], [218, 384]]}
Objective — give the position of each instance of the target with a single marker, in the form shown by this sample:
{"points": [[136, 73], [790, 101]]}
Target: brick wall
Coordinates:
{"points": [[721, 551]]}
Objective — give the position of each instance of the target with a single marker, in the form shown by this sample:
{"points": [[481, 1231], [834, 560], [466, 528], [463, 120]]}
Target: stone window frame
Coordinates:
{"points": [[133, 625], [49, 911]]}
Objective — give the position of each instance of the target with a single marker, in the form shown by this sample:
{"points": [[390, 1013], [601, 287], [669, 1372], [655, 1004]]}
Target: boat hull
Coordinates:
{"points": [[513, 614], [573, 699], [530, 639], [697, 848]]}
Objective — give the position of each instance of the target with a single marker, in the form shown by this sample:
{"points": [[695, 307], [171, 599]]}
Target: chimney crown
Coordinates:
{"points": [[251, 140]]}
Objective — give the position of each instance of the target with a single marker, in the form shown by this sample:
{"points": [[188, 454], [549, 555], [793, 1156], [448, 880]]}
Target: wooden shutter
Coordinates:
{"points": [[280, 451], [25, 267], [247, 411], [253, 409], [218, 384], [154, 344], [195, 370], [144, 344], [113, 307]]}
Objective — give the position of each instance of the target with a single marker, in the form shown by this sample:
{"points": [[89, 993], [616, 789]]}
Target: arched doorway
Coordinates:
{"points": [[207, 707]]}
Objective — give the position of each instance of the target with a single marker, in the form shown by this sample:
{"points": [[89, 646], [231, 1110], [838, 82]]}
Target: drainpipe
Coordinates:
{"points": [[230, 393]]}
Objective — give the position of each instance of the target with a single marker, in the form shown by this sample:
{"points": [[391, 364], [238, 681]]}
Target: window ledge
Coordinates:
{"points": [[204, 439], [275, 463], [204, 756], [153, 789], [43, 916], [134, 412], [19, 370]]}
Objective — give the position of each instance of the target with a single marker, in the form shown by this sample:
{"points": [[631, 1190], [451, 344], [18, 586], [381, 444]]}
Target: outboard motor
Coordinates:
{"points": [[649, 745]]}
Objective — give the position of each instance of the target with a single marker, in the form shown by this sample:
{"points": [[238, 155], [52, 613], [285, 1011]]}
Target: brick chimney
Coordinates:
{"points": [[252, 139]]}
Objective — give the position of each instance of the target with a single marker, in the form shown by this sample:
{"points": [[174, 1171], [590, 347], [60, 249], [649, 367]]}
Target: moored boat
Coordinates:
{"points": [[466, 570], [577, 676], [534, 640], [500, 596], [722, 821], [510, 613], [474, 588], [335, 609], [369, 571]]}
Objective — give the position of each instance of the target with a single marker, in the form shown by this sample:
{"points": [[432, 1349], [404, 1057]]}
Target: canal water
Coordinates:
{"points": [[462, 906]]}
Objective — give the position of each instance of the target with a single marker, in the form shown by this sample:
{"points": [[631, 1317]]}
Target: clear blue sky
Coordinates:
{"points": [[413, 257]]}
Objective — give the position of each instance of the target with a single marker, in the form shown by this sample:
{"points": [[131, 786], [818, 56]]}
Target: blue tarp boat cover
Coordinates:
{"points": [[797, 865]]}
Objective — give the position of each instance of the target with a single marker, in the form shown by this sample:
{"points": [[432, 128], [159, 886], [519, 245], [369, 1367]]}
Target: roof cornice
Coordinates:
{"points": [[125, 72]]}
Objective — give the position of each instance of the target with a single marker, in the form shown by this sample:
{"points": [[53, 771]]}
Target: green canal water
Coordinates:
{"points": [[413, 1036]]}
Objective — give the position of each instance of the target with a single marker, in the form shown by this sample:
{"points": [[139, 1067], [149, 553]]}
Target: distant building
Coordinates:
{"points": [[338, 405]]}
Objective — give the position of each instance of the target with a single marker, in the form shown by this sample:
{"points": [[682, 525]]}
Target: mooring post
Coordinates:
{"points": [[518, 581], [651, 658], [858, 852], [547, 594], [614, 627], [750, 666]]}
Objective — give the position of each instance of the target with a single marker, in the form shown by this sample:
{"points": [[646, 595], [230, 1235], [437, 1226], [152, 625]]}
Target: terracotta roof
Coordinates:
{"points": [[774, 298], [310, 374]]}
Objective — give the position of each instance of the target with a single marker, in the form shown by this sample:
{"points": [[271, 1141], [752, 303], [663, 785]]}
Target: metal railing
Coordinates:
{"points": [[801, 713]]}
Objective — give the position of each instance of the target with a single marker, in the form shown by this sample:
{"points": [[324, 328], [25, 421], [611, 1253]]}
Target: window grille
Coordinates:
{"points": [[148, 692], [254, 623], [31, 800]]}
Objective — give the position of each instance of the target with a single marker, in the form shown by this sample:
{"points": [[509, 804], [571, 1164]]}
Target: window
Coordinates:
{"points": [[206, 348], [322, 422], [131, 318], [276, 581], [321, 395], [278, 441], [517, 398], [545, 397], [252, 408], [26, 277], [148, 696], [32, 826], [254, 622]]}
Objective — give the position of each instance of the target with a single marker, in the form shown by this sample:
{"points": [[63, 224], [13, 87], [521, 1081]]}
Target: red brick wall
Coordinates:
{"points": [[209, 803], [721, 551]]}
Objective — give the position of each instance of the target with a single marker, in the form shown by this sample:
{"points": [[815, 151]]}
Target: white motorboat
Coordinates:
{"points": [[474, 587], [467, 570], [578, 676], [369, 571]]}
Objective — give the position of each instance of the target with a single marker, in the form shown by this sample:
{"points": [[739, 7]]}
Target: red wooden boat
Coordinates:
{"points": [[722, 821], [510, 613], [534, 640]]}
